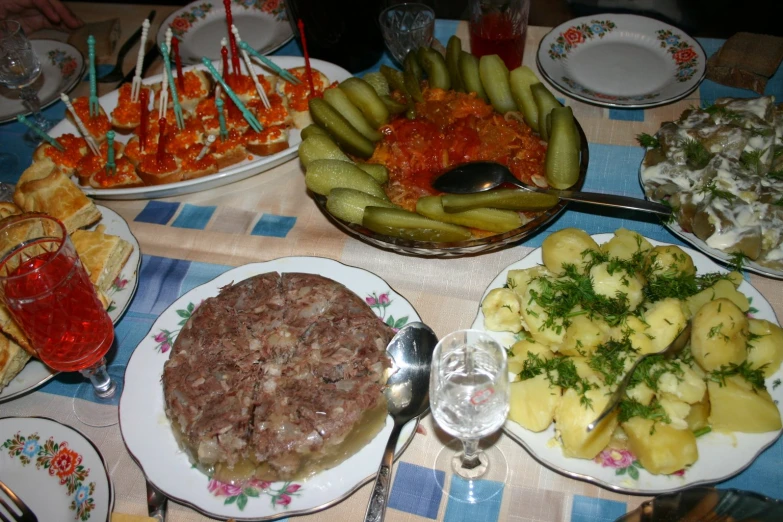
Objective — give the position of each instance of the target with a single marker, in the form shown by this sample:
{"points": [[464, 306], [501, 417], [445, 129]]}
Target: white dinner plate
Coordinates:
{"points": [[147, 431], [62, 66], [620, 60], [245, 169], [55, 469], [201, 25], [720, 455], [35, 373]]}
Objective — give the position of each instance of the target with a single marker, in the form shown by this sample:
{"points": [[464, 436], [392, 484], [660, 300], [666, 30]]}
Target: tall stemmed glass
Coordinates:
{"points": [[469, 399], [19, 68], [47, 291]]}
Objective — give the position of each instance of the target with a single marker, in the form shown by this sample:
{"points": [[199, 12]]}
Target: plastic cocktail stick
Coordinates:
{"points": [[234, 98], [111, 167], [161, 142], [249, 65], [269, 63], [308, 71], [145, 116], [95, 108], [178, 63], [41, 134], [221, 119], [232, 43], [224, 70], [164, 51], [136, 84], [205, 148], [163, 97], [80, 125], [168, 37]]}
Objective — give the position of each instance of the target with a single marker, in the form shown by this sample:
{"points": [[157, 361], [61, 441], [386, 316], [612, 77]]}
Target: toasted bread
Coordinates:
{"points": [[91, 163], [197, 88], [126, 116], [297, 96], [43, 187], [124, 176], [268, 141], [152, 173], [75, 149], [102, 254]]}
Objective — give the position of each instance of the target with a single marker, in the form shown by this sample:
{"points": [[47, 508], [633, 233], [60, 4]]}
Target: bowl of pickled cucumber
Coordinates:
{"points": [[378, 142]]}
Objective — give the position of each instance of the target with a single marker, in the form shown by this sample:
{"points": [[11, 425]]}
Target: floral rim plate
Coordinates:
{"points": [[44, 459], [625, 61], [245, 169], [35, 373], [201, 25], [150, 441], [720, 456], [461, 248], [62, 66]]}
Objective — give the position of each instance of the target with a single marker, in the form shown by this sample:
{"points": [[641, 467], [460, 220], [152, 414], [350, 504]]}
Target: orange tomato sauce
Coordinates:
{"points": [[452, 128]]}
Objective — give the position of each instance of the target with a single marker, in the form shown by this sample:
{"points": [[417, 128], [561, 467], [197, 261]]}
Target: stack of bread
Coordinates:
{"points": [[45, 188]]}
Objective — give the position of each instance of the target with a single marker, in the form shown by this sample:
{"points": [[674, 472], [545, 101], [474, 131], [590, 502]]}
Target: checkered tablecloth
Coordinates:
{"points": [[188, 240]]}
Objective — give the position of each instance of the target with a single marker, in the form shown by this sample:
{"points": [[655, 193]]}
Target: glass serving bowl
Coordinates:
{"points": [[461, 248]]}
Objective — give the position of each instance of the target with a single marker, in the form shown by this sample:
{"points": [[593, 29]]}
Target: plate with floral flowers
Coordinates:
{"points": [[620, 60], [62, 66], [200, 26], [35, 373], [148, 433], [44, 459]]}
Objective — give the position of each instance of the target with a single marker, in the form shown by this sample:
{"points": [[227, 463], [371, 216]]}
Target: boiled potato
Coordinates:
{"points": [[688, 387], [617, 282], [566, 247], [583, 336], [501, 311], [625, 244], [719, 334], [661, 448], [517, 280], [668, 259], [766, 345], [639, 335], [676, 409], [698, 416], [572, 418], [641, 393], [723, 288], [534, 317], [584, 371], [666, 319], [519, 351], [736, 406], [533, 402]]}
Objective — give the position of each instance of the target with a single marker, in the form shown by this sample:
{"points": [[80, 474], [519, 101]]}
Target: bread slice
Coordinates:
{"points": [[126, 116], [152, 174], [43, 187], [268, 141], [297, 96], [96, 126], [75, 149], [124, 176], [102, 254], [12, 360], [13, 331]]}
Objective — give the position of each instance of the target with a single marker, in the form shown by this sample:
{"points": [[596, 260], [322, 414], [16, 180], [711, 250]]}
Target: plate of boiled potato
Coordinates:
{"points": [[576, 313]]}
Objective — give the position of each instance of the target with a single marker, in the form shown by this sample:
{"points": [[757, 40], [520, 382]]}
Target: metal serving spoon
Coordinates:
{"points": [[407, 397], [674, 348], [479, 176]]}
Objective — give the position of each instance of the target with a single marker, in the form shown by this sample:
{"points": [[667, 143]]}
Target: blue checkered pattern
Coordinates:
{"points": [[416, 490], [458, 510], [588, 509], [194, 217]]}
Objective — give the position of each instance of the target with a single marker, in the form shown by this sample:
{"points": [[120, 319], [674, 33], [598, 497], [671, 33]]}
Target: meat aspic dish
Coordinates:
{"points": [[277, 377]]}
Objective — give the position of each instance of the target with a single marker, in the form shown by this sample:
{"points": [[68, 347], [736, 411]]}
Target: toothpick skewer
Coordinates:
{"points": [[80, 125], [164, 50], [111, 166], [205, 148], [254, 123], [95, 108], [287, 76], [221, 116], [136, 84], [41, 134], [249, 65]]}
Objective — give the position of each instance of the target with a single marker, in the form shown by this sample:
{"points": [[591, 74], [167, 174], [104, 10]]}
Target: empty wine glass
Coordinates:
{"points": [[469, 399], [19, 68], [47, 291], [406, 27]]}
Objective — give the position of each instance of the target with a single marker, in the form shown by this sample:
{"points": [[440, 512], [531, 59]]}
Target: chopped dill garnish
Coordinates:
{"points": [[609, 359], [646, 140], [651, 369], [720, 111], [754, 376], [696, 155], [712, 189], [775, 383], [776, 174], [752, 160], [702, 431], [779, 203], [560, 371], [632, 408], [737, 261]]}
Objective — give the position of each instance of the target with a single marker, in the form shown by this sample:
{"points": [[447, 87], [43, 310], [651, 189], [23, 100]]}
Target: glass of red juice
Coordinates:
{"points": [[50, 296], [499, 27]]}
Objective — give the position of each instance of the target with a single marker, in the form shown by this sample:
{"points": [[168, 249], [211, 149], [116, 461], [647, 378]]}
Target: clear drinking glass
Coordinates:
{"points": [[48, 293], [19, 68], [469, 399], [406, 27]]}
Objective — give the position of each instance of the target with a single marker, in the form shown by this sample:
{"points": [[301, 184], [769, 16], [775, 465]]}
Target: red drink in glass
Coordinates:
{"points": [[499, 27]]}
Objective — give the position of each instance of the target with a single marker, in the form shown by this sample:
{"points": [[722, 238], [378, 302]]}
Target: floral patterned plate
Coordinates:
{"points": [[43, 459], [721, 456], [36, 373], [624, 61], [62, 66], [147, 431], [201, 25]]}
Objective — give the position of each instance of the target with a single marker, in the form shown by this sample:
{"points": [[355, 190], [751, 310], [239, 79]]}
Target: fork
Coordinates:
{"points": [[22, 513], [116, 75]]}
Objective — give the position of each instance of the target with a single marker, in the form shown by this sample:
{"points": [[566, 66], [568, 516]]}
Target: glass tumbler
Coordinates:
{"points": [[406, 27], [499, 27]]}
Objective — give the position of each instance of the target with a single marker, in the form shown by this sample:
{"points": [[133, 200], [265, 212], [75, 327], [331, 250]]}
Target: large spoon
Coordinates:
{"points": [[479, 176], [407, 397]]}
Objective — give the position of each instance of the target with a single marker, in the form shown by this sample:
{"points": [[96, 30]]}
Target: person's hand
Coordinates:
{"points": [[34, 15]]}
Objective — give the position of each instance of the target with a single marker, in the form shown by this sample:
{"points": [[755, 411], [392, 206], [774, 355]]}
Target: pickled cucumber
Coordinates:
{"points": [[545, 101], [319, 146], [509, 199], [337, 98], [453, 49], [397, 222], [471, 77], [435, 65], [312, 130], [378, 172], [494, 78], [490, 219], [340, 129], [520, 80], [562, 155], [367, 100], [412, 75], [378, 82], [324, 175], [349, 204]]}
